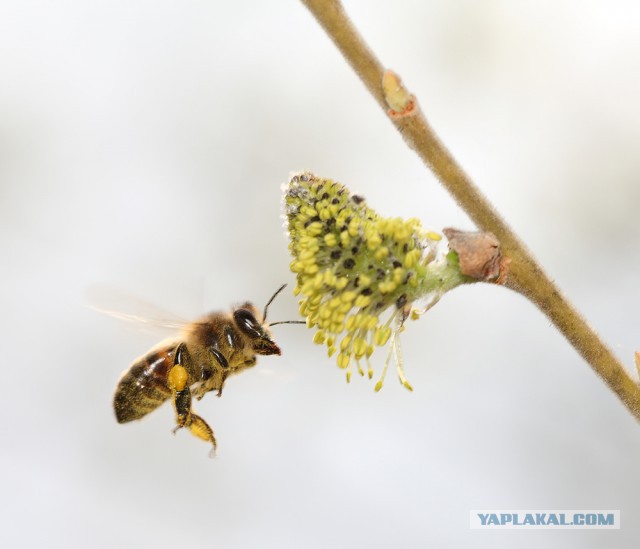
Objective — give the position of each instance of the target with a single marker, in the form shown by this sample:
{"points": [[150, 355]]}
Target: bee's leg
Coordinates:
{"points": [[182, 402], [200, 428], [224, 365], [225, 374], [205, 384]]}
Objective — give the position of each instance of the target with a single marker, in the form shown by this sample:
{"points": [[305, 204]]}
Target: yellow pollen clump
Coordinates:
{"points": [[177, 377]]}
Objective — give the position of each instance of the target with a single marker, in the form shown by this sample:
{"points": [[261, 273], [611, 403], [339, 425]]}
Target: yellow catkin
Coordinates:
{"points": [[348, 297], [398, 275], [330, 240], [346, 256], [381, 253], [343, 360], [315, 228], [382, 335], [374, 241], [345, 343], [359, 347]]}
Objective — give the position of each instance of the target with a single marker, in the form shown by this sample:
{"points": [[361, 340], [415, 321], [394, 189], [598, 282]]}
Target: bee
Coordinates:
{"points": [[200, 360]]}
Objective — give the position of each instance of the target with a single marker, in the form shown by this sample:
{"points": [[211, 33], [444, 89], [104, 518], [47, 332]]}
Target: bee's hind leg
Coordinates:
{"points": [[182, 402]]}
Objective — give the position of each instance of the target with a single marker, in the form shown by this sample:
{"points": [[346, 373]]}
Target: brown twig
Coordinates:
{"points": [[525, 275]]}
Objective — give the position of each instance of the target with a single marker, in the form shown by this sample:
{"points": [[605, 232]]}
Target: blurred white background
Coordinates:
{"points": [[142, 147]]}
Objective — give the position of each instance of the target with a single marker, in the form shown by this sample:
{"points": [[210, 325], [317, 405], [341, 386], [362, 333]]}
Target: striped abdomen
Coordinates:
{"points": [[143, 387]]}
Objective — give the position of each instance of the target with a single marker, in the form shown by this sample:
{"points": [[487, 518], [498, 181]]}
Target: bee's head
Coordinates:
{"points": [[252, 325]]}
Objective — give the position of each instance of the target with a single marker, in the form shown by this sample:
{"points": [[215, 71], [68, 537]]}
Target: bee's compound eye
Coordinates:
{"points": [[247, 323]]}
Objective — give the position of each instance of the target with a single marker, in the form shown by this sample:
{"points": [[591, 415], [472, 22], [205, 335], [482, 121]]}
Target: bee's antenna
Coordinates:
{"points": [[288, 322], [264, 316]]}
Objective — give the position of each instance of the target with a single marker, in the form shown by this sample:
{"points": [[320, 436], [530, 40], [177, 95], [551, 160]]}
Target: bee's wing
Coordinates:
{"points": [[134, 310]]}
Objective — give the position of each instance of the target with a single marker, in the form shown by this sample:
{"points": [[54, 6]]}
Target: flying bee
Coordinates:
{"points": [[206, 353]]}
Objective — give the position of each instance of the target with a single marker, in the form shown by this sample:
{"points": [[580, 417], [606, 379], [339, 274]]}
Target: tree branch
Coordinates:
{"points": [[525, 275]]}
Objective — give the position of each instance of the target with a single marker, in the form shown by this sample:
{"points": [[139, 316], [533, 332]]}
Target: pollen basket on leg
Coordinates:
{"points": [[356, 270]]}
